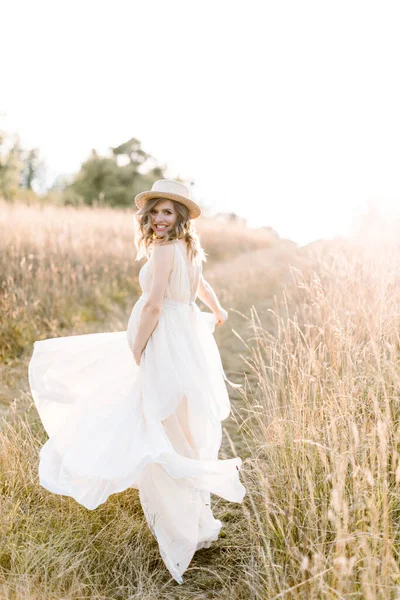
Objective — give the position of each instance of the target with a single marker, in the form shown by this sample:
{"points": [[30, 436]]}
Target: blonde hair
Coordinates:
{"points": [[184, 228]]}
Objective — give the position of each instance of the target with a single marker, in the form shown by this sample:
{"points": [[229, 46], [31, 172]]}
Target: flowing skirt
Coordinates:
{"points": [[157, 428]]}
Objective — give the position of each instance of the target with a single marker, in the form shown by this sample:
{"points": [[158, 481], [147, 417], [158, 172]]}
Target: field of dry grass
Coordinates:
{"points": [[313, 336]]}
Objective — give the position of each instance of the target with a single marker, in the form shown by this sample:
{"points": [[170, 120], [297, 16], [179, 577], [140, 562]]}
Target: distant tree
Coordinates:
{"points": [[97, 181], [33, 168], [11, 165], [104, 181], [133, 151]]}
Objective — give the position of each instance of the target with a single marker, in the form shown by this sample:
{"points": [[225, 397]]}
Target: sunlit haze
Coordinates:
{"points": [[286, 113]]}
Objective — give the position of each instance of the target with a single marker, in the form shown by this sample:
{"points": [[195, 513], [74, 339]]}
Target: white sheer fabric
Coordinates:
{"points": [[156, 428]]}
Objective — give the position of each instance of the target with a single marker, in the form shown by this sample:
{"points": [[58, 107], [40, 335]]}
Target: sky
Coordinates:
{"points": [[284, 112]]}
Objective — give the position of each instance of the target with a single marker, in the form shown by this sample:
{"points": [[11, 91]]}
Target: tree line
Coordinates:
{"points": [[111, 180]]}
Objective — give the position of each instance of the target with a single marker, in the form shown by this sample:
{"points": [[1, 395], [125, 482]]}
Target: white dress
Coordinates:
{"points": [[157, 428]]}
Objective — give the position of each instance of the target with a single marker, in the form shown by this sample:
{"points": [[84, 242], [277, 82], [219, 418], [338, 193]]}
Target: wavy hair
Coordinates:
{"points": [[184, 228]]}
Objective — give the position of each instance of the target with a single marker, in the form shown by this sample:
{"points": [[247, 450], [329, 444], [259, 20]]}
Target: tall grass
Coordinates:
{"points": [[65, 269], [322, 419], [315, 341]]}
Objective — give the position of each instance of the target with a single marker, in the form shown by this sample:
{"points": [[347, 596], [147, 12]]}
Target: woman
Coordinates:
{"points": [[152, 423]]}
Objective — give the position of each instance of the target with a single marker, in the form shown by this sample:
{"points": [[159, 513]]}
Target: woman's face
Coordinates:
{"points": [[163, 217]]}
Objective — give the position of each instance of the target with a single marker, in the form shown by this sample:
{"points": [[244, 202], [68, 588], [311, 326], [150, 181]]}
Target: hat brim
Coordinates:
{"points": [[143, 197]]}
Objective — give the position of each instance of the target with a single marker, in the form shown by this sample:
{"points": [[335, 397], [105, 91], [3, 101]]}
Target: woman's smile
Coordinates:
{"points": [[163, 216]]}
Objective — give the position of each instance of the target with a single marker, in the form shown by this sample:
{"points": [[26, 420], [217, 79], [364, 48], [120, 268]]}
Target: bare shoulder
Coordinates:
{"points": [[163, 252]]}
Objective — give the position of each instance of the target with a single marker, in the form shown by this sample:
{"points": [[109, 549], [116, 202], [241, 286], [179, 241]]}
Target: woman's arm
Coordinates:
{"points": [[151, 311], [207, 295]]}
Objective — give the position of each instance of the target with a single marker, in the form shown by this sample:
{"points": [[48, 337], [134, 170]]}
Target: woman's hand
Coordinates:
{"points": [[221, 315], [137, 354]]}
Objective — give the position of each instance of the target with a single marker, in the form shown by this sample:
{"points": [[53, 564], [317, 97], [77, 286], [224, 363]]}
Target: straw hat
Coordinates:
{"points": [[170, 190]]}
